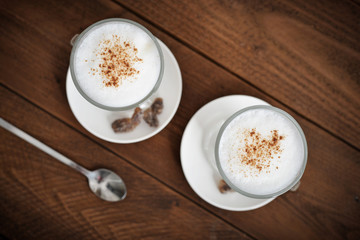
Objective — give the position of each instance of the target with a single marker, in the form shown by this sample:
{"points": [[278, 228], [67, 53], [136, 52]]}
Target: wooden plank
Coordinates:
{"points": [[325, 204], [305, 54], [44, 199]]}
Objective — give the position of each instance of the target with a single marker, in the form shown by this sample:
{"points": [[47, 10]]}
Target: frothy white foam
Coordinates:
{"points": [[271, 173], [133, 88]]}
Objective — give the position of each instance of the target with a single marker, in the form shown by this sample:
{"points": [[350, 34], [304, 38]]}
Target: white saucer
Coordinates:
{"points": [[98, 121], [198, 156]]}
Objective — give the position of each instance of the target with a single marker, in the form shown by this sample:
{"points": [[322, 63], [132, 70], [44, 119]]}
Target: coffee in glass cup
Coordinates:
{"points": [[116, 64], [261, 151]]}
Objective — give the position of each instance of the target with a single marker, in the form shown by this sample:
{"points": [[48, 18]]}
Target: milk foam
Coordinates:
{"points": [[283, 167], [135, 87]]}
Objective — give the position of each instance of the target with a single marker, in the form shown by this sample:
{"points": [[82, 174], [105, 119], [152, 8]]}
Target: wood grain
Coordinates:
{"points": [[305, 54], [44, 199], [325, 205]]}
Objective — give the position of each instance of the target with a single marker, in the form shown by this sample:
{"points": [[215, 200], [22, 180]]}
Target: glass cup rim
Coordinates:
{"points": [[217, 158], [84, 34]]}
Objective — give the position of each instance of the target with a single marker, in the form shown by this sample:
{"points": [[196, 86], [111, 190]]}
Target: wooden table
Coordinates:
{"points": [[300, 56]]}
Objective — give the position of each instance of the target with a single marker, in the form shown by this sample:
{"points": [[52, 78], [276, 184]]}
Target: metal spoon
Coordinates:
{"points": [[104, 183]]}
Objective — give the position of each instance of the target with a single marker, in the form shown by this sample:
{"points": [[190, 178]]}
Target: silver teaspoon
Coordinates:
{"points": [[104, 183]]}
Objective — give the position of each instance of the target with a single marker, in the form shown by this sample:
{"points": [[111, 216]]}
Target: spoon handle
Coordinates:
{"points": [[11, 128]]}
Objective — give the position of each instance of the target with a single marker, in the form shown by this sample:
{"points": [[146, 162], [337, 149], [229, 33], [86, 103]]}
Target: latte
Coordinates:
{"points": [[116, 63], [261, 151]]}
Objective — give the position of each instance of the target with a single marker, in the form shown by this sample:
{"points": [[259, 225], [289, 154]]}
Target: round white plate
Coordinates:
{"points": [[198, 154], [98, 121]]}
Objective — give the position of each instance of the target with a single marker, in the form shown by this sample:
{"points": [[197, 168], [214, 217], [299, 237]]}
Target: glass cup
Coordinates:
{"points": [[293, 185], [76, 41]]}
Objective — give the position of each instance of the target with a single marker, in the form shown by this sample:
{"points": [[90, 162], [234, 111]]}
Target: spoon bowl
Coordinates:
{"points": [[107, 185]]}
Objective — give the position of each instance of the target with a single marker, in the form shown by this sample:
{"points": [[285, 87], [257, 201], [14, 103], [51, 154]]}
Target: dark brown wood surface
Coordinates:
{"points": [[297, 56], [305, 54]]}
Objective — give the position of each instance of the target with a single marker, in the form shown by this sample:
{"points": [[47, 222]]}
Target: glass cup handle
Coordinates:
{"points": [[73, 39], [295, 187]]}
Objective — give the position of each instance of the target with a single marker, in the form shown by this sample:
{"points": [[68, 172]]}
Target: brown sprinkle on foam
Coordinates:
{"points": [[117, 61], [259, 150]]}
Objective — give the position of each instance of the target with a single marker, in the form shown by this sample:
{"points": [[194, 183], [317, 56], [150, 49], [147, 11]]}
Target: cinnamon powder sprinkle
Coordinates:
{"points": [[259, 150], [117, 61]]}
